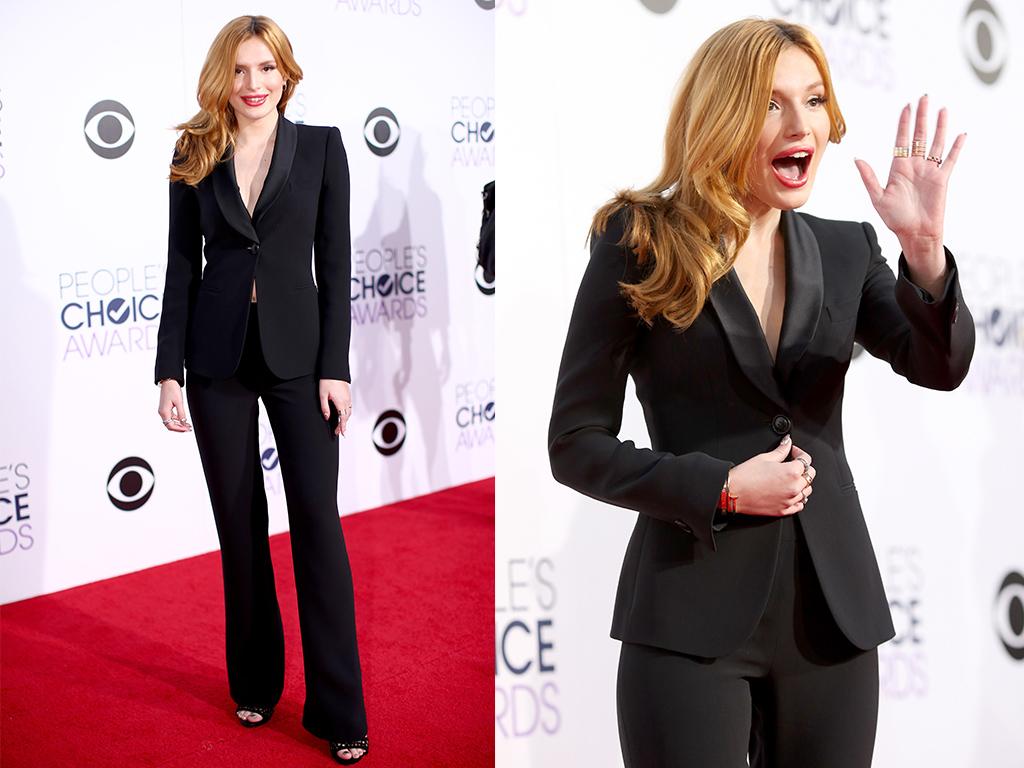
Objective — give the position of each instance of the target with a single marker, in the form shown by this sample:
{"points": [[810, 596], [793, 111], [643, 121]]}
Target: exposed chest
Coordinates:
{"points": [[251, 167]]}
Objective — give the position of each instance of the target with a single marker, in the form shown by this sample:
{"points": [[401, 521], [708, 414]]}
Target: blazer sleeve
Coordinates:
{"points": [[929, 340], [583, 444], [181, 284], [332, 247]]}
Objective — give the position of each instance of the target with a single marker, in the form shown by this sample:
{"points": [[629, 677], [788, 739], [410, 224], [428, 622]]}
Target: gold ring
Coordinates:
{"points": [[805, 462], [901, 151], [807, 477], [936, 160], [919, 148]]}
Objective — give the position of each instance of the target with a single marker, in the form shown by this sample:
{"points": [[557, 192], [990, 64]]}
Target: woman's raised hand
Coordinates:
{"points": [[768, 485], [172, 409], [912, 204]]}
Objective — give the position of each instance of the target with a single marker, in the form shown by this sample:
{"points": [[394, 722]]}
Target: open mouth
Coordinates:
{"points": [[791, 166]]}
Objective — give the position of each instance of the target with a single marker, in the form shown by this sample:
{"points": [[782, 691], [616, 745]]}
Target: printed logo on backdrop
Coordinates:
{"points": [[15, 508], [985, 40], [130, 483], [269, 459], [389, 432], [472, 131], [856, 36], [381, 131], [109, 129], [998, 365], [380, 7], [389, 283], [903, 661], [526, 695], [659, 6], [487, 5], [474, 414], [109, 311], [1009, 610]]}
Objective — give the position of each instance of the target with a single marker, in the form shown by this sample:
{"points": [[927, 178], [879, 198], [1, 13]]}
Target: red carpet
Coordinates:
{"points": [[129, 672]]}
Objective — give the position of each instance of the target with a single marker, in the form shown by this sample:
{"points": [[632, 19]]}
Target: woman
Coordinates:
{"points": [[750, 612], [263, 192]]}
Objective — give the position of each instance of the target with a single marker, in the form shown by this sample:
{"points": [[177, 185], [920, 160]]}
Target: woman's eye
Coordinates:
{"points": [[772, 105], [817, 101]]}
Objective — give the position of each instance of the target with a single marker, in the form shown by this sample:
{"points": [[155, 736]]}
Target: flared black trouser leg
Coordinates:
{"points": [[225, 418], [796, 694]]}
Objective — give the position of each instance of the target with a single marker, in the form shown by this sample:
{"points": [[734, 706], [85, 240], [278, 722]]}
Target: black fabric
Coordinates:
{"points": [[301, 216], [485, 247], [710, 397], [225, 418], [795, 694]]}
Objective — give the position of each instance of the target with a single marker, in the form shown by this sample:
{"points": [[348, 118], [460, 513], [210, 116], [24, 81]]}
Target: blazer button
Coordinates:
{"points": [[683, 525], [781, 425], [254, 248]]}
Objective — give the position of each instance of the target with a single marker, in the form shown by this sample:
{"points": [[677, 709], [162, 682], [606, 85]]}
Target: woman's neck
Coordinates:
{"points": [[256, 132]]}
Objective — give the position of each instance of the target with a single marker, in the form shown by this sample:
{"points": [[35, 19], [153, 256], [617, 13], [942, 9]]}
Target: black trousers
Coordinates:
{"points": [[225, 421], [796, 694]]}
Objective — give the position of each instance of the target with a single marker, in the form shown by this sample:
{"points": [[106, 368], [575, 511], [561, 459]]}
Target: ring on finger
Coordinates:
{"points": [[901, 151], [805, 462], [168, 421], [807, 477], [919, 148], [934, 159]]}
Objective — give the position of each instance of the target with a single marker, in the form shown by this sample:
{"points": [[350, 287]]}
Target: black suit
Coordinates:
{"points": [[302, 209], [712, 398], [277, 350]]}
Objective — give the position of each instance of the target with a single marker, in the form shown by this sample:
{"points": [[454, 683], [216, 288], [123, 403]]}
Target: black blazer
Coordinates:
{"points": [[712, 399], [302, 210]]}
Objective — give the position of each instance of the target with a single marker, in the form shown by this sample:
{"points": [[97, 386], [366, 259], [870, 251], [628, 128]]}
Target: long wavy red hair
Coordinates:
{"points": [[688, 224], [207, 135]]}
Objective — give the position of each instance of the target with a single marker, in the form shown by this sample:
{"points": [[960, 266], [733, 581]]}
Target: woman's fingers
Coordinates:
{"points": [[903, 129], [867, 175], [325, 408], [921, 120], [939, 141], [954, 153]]}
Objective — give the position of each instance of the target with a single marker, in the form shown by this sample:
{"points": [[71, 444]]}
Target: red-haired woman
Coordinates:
{"points": [[750, 612], [268, 197]]}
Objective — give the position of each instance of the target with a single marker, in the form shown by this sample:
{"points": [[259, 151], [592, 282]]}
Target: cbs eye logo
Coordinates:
{"points": [[381, 131], [130, 483], [487, 5], [1009, 612], [985, 41], [109, 129], [659, 6], [389, 432]]}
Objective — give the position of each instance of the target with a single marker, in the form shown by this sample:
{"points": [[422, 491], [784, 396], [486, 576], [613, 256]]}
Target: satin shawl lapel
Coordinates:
{"points": [[804, 295], [805, 292], [743, 330], [225, 184]]}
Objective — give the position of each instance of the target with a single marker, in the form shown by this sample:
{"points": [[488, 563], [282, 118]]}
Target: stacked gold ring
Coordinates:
{"points": [[901, 151], [920, 148]]}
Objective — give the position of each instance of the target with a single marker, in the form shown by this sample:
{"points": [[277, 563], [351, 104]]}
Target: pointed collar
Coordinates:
{"points": [[225, 183], [804, 295]]}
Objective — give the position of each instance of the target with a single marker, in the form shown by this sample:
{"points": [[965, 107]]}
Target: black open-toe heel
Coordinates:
{"points": [[363, 744], [263, 712]]}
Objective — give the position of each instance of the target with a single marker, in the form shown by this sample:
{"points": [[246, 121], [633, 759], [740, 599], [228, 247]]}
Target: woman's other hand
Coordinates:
{"points": [[338, 392], [768, 485], [172, 409], [913, 202]]}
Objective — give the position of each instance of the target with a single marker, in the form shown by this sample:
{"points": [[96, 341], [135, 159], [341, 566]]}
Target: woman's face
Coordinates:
{"points": [[258, 83], [794, 136]]}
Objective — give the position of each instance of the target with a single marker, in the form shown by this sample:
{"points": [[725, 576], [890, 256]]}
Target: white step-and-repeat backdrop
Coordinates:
{"points": [[91, 485], [585, 90]]}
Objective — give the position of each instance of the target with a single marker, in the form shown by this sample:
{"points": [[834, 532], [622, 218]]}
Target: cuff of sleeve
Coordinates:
{"points": [[705, 530], [927, 298]]}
